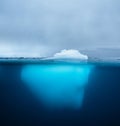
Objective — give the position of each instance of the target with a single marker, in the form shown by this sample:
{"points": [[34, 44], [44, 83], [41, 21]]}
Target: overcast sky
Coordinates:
{"points": [[42, 27]]}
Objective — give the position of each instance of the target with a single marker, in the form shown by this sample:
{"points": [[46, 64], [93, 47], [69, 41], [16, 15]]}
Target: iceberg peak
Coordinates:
{"points": [[70, 54]]}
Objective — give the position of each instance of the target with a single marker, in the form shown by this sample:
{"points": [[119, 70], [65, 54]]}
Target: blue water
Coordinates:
{"points": [[59, 94]]}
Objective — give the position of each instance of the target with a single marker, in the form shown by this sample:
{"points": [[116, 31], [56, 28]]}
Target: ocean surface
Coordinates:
{"points": [[59, 94]]}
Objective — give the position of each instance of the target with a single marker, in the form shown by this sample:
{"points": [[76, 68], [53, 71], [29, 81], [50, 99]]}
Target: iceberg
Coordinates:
{"points": [[59, 84]]}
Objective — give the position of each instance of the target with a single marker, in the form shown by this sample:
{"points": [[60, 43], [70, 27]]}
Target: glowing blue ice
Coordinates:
{"points": [[57, 85]]}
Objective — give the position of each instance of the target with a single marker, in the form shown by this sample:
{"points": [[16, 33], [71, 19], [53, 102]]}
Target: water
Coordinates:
{"points": [[59, 94]]}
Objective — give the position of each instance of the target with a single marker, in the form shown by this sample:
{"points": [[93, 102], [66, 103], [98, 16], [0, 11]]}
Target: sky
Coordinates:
{"points": [[43, 27]]}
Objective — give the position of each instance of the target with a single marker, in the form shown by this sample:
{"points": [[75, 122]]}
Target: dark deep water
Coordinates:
{"points": [[101, 104]]}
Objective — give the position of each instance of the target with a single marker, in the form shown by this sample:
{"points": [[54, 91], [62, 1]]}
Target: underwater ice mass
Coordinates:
{"points": [[58, 85]]}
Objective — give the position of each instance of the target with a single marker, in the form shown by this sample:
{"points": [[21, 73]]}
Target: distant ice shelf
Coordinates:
{"points": [[92, 60]]}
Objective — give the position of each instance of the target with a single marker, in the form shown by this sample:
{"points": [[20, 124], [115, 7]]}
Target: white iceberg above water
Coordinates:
{"points": [[73, 54], [69, 55]]}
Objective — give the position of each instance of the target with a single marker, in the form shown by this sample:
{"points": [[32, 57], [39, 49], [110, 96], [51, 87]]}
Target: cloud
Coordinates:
{"points": [[61, 24], [70, 54]]}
